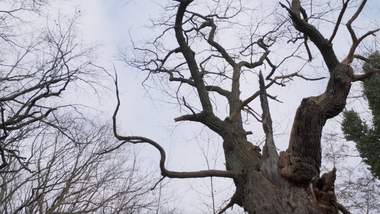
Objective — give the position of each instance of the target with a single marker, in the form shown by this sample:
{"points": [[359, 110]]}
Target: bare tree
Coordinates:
{"points": [[51, 162], [70, 175], [34, 72], [266, 182]]}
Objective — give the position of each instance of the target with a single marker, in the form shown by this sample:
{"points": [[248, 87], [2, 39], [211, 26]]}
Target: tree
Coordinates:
{"points": [[355, 129], [70, 175], [51, 154], [266, 182], [34, 73]]}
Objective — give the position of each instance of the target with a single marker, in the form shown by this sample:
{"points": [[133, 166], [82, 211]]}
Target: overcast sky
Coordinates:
{"points": [[108, 24]]}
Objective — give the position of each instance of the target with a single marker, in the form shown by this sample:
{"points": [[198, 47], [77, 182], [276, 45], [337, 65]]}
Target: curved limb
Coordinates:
{"points": [[143, 140]]}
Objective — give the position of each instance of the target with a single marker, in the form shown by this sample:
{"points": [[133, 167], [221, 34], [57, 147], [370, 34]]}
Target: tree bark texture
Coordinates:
{"points": [[296, 186]]}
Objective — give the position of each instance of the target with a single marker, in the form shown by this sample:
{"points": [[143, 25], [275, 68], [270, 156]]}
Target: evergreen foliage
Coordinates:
{"points": [[367, 138]]}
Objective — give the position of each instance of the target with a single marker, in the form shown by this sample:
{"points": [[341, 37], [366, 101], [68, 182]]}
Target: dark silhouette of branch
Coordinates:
{"points": [[355, 40], [144, 140], [339, 20], [315, 36]]}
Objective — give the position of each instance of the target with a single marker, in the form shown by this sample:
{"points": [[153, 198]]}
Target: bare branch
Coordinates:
{"points": [[270, 155], [212, 88], [355, 40], [365, 59], [260, 61], [188, 54], [274, 81], [315, 36], [209, 22], [343, 209], [339, 20], [269, 150], [235, 199], [368, 74], [351, 55], [164, 171]]}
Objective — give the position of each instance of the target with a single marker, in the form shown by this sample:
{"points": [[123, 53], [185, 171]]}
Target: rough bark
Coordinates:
{"points": [[296, 186], [302, 160], [258, 192]]}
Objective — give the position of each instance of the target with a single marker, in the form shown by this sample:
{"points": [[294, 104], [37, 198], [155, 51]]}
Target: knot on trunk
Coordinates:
{"points": [[300, 170], [324, 194]]}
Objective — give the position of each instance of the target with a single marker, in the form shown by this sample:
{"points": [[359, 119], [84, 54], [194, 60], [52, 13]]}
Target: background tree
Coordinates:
{"points": [[357, 130], [69, 175], [51, 157], [35, 70], [266, 182]]}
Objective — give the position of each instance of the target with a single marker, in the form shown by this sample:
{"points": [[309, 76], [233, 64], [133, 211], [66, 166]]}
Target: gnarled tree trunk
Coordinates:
{"points": [[292, 184], [266, 182]]}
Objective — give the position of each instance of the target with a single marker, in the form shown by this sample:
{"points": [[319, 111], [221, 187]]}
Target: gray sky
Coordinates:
{"points": [[108, 24]]}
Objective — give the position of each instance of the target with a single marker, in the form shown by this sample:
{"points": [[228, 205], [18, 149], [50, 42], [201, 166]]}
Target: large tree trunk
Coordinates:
{"points": [[257, 193], [294, 186]]}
